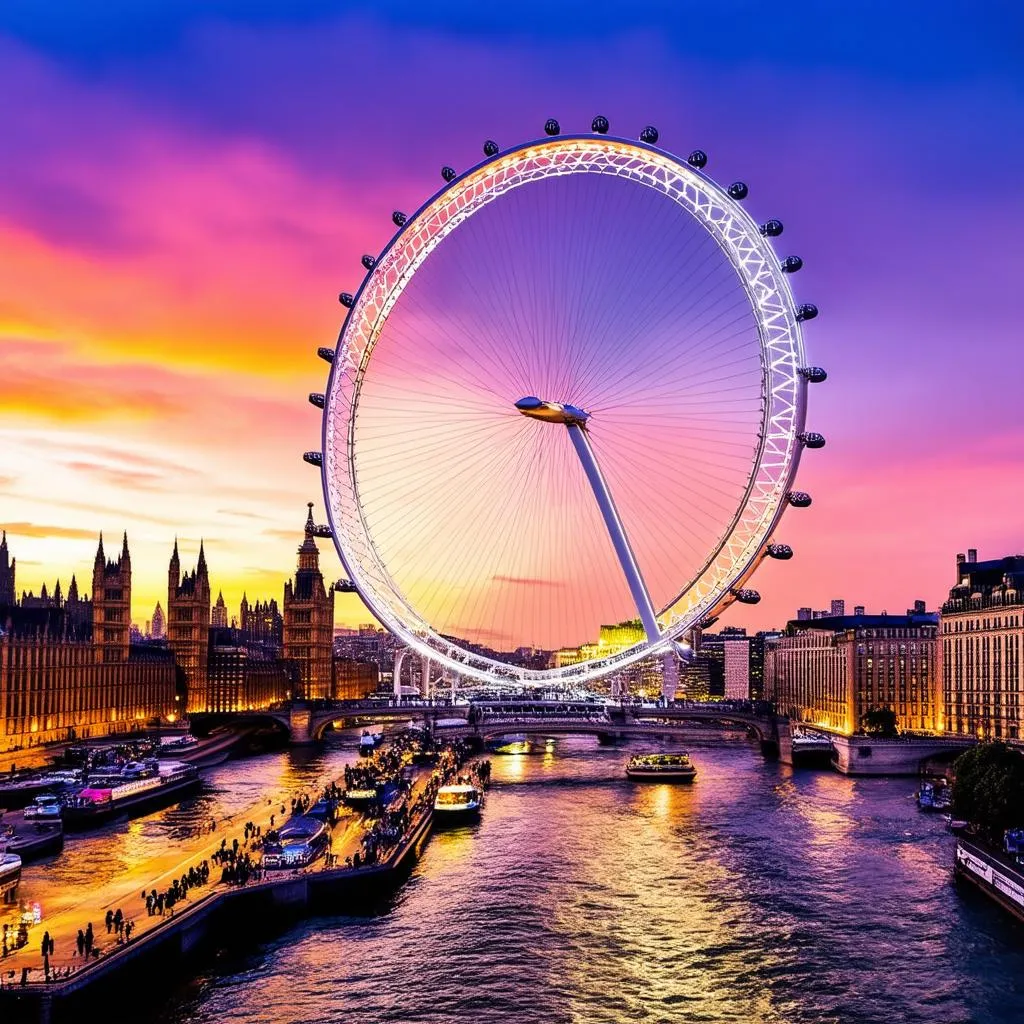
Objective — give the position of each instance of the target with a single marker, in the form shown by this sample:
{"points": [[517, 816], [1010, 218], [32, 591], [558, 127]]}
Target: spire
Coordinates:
{"points": [[124, 546], [3, 543], [309, 519], [201, 564], [73, 589], [308, 546], [174, 553], [100, 556]]}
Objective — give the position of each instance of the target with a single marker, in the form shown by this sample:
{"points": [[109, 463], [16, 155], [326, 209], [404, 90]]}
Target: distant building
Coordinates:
{"points": [[830, 671], [158, 626], [262, 622], [188, 624], [244, 675], [838, 607], [309, 621], [354, 680], [69, 669], [983, 647], [219, 613]]}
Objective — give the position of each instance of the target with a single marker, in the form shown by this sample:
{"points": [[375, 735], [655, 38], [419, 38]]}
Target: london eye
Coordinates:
{"points": [[569, 392]]}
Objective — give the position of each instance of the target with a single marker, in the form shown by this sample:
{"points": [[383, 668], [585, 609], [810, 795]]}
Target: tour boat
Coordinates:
{"points": [[32, 837], [295, 844], [10, 875], [457, 803], [661, 768], [21, 790], [134, 789], [934, 796]]}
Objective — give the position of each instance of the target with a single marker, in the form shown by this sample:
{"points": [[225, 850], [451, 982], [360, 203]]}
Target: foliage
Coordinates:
{"points": [[880, 722], [989, 788]]}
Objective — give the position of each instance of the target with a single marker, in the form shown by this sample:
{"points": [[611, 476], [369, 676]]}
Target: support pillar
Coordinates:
{"points": [[400, 656]]}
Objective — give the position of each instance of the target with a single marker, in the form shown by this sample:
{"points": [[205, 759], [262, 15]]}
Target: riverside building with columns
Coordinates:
{"points": [[830, 671], [982, 645]]}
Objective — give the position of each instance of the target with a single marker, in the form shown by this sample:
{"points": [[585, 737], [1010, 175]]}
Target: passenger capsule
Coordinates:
{"points": [[345, 586], [798, 499], [738, 190], [448, 173], [813, 374], [326, 354], [649, 135], [806, 311], [369, 262], [551, 127], [772, 228], [791, 264], [346, 299], [698, 158], [812, 440], [322, 531], [783, 552], [708, 622], [313, 458], [399, 218], [747, 596], [315, 398], [599, 124], [490, 148]]}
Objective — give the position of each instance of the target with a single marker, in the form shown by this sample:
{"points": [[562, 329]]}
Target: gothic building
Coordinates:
{"points": [[67, 667], [219, 614], [262, 622], [309, 621], [188, 624], [111, 605], [7, 567]]}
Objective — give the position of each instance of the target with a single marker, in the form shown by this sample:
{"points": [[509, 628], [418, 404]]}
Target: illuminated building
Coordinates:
{"points": [[354, 680], [982, 644], [830, 671], [69, 668], [244, 675], [219, 613], [262, 621], [7, 570], [309, 621], [188, 624]]}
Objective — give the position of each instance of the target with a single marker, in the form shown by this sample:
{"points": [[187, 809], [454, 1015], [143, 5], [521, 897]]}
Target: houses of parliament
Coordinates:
{"points": [[72, 666]]}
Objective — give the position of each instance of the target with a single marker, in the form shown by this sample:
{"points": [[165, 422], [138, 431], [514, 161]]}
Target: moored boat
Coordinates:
{"points": [[661, 768], [295, 844], [10, 875], [132, 790], [457, 803], [32, 837]]}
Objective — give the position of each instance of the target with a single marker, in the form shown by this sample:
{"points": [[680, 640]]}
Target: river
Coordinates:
{"points": [[759, 894]]}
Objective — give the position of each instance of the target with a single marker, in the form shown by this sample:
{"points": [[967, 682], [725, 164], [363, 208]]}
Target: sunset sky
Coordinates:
{"points": [[186, 187]]}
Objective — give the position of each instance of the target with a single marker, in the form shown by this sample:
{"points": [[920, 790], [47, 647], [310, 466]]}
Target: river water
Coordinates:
{"points": [[760, 893]]}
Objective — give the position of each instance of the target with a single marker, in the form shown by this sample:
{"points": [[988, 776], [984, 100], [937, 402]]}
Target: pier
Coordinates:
{"points": [[37, 989]]}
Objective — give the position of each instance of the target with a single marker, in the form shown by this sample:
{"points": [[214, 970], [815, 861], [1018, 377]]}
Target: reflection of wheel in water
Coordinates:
{"points": [[570, 392]]}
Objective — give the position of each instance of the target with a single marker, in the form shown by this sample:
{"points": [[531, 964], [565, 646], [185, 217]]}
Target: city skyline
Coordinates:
{"points": [[233, 209]]}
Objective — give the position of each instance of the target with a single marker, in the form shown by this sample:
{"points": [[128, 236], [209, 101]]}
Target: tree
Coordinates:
{"points": [[989, 788], [880, 722]]}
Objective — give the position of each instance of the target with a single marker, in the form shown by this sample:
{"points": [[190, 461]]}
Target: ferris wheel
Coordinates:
{"points": [[570, 393]]}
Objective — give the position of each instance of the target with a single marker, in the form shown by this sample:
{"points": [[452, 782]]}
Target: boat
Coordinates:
{"points": [[20, 791], [10, 875], [811, 750], [135, 788], [32, 837], [934, 796], [518, 743], [661, 768], [368, 743], [295, 844], [45, 807], [361, 796], [457, 803]]}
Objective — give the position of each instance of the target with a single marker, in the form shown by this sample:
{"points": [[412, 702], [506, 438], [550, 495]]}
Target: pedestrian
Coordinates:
{"points": [[110, 921], [80, 942], [89, 939]]}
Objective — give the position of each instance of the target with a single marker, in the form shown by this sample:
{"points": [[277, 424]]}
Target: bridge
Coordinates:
{"points": [[306, 722]]}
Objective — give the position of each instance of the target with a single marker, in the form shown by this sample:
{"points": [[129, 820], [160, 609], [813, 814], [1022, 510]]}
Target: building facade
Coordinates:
{"points": [[982, 645], [309, 621], [830, 671], [354, 680], [188, 625], [243, 675], [68, 668]]}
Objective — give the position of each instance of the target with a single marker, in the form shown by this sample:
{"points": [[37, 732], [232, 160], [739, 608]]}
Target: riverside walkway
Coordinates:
{"points": [[24, 970]]}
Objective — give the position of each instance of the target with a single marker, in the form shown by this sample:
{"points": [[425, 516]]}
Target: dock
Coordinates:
{"points": [[35, 991]]}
